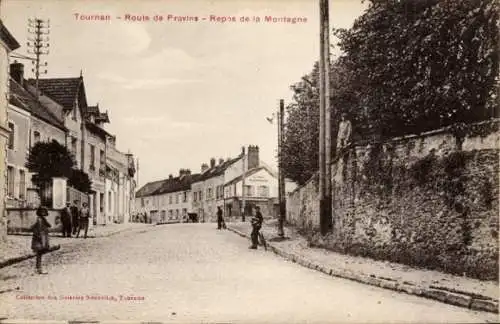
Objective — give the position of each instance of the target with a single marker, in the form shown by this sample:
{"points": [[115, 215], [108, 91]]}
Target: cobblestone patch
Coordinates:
{"points": [[18, 247]]}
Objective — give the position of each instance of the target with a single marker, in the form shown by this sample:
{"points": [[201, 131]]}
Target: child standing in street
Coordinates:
{"points": [[40, 240]]}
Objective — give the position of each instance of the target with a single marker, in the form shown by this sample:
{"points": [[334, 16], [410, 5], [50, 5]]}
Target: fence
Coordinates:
{"points": [[72, 194]]}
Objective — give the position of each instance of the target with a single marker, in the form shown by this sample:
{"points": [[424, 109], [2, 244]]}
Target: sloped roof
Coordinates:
{"points": [[7, 37], [176, 184], [217, 170], [249, 173], [149, 188], [20, 97], [63, 90], [97, 130]]}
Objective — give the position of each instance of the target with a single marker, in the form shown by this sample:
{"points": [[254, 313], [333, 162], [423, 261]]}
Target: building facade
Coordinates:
{"points": [[7, 44], [30, 121], [260, 188], [169, 200], [120, 183]]}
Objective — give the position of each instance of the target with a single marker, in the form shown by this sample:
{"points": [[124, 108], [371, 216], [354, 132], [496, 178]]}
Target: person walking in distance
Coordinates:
{"points": [[256, 225], [40, 239], [83, 220], [220, 219], [75, 214], [66, 219]]}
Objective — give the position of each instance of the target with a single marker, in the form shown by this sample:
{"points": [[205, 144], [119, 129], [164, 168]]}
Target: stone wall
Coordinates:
{"points": [[302, 205], [428, 200], [19, 220]]}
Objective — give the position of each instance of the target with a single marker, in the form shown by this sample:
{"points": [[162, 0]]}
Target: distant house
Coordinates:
{"points": [[261, 186], [168, 200], [208, 190]]}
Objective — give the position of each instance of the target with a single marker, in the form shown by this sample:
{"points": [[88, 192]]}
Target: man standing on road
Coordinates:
{"points": [[220, 219], [84, 220], [75, 214], [66, 220], [256, 225]]}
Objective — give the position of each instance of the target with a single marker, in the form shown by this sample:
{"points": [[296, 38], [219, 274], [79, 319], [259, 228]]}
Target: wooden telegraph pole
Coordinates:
{"points": [[38, 45], [281, 175], [328, 123], [324, 120]]}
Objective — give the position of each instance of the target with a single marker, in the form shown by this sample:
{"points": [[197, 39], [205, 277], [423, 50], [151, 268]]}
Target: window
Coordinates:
{"points": [[101, 202], [163, 215], [102, 159], [12, 135], [36, 137], [73, 145], [195, 196], [109, 201], [22, 184], [176, 214], [263, 191], [142, 202], [248, 191], [10, 181], [200, 195], [170, 199], [209, 193], [185, 198], [177, 199], [92, 157], [170, 214]]}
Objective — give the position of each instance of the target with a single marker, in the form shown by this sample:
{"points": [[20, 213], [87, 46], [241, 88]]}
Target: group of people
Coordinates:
{"points": [[74, 219]]}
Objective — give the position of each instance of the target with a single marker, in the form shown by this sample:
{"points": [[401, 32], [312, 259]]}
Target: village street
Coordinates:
{"points": [[193, 273]]}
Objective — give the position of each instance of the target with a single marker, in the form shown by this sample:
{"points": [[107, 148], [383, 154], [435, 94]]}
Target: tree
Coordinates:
{"points": [[80, 181], [408, 66], [51, 159], [48, 160], [420, 65]]}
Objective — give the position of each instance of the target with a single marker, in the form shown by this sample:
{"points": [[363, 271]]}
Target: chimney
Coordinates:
{"points": [[253, 157], [204, 167], [212, 162], [184, 172], [242, 151], [17, 72], [221, 160]]}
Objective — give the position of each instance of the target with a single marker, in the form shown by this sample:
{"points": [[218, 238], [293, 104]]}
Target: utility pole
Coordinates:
{"points": [[324, 130], [328, 122], [39, 45], [281, 175]]}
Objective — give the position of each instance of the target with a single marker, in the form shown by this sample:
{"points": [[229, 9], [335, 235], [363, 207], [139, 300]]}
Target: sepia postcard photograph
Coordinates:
{"points": [[249, 161]]}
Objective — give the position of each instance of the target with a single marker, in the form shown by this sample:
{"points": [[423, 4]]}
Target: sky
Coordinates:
{"points": [[181, 92]]}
